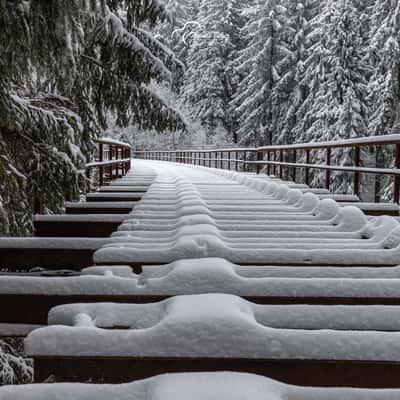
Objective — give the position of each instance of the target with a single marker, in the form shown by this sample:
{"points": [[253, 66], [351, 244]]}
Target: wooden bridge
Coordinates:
{"points": [[199, 261]]}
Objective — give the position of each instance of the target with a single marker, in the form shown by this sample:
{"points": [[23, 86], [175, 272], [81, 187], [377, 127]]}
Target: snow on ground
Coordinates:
{"points": [[222, 326], [193, 386]]}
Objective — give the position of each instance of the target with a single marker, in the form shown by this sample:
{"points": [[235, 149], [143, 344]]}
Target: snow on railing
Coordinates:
{"points": [[287, 160]]}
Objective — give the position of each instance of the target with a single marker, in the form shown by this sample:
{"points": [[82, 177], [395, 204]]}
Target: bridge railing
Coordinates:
{"points": [[113, 160], [289, 160]]}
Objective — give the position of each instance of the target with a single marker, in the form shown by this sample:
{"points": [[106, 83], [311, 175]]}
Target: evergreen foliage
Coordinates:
{"points": [[64, 66]]}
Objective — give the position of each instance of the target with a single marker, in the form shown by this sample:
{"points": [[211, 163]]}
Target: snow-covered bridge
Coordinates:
{"points": [[187, 268]]}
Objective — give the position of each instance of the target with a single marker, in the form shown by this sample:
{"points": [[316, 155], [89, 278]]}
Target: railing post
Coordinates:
{"points": [[356, 188], [244, 164], [236, 161], [259, 157], [274, 166], [328, 171], [268, 165], [280, 167], [307, 170], [396, 185], [294, 168], [101, 168]]}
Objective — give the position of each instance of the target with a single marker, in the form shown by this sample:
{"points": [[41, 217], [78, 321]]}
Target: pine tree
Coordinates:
{"points": [[292, 88], [210, 79], [260, 64], [384, 85], [335, 106], [63, 67]]}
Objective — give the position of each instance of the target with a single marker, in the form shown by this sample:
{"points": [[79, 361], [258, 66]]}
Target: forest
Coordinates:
{"points": [[184, 74]]}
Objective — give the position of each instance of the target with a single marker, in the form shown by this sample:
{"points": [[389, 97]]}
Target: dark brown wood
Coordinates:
{"points": [[307, 170], [328, 171], [396, 185], [259, 157], [129, 197], [356, 188], [83, 228], [22, 258], [297, 372], [294, 169], [237, 161], [100, 210]]}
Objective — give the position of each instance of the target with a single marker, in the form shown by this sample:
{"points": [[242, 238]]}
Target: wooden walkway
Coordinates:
{"points": [[182, 269]]}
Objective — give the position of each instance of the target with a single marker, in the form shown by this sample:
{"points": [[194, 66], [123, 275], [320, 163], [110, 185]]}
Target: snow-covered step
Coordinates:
{"points": [[31, 296], [175, 221], [74, 253], [210, 386], [202, 331]]}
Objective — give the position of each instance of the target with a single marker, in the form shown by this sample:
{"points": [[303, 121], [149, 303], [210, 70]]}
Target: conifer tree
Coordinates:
{"points": [[210, 79], [63, 67], [384, 85], [260, 64]]}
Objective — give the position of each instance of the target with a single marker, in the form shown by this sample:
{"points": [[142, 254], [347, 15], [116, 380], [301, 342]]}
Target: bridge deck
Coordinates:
{"points": [[306, 282]]}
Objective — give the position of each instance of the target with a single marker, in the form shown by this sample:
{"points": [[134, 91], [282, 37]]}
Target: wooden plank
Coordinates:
{"points": [[33, 308], [22, 258], [99, 208], [124, 189], [297, 372], [70, 227], [103, 197]]}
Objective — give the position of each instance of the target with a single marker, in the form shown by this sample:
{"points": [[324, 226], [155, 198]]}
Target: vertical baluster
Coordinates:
{"points": [[356, 188], [307, 170], [259, 157], [294, 168], [396, 185], [328, 171]]}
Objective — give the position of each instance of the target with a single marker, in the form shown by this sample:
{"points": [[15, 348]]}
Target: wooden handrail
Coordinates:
{"points": [[272, 157], [114, 160]]}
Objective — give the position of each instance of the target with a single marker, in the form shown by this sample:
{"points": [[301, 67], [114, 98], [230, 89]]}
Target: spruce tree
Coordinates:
{"points": [[63, 67], [210, 78], [384, 85], [260, 64]]}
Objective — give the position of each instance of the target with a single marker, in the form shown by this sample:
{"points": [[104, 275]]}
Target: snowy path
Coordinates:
{"points": [[227, 261], [192, 212]]}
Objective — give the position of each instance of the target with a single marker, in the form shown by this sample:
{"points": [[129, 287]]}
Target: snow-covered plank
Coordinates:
{"points": [[183, 216], [214, 332], [195, 386], [182, 327], [30, 296]]}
